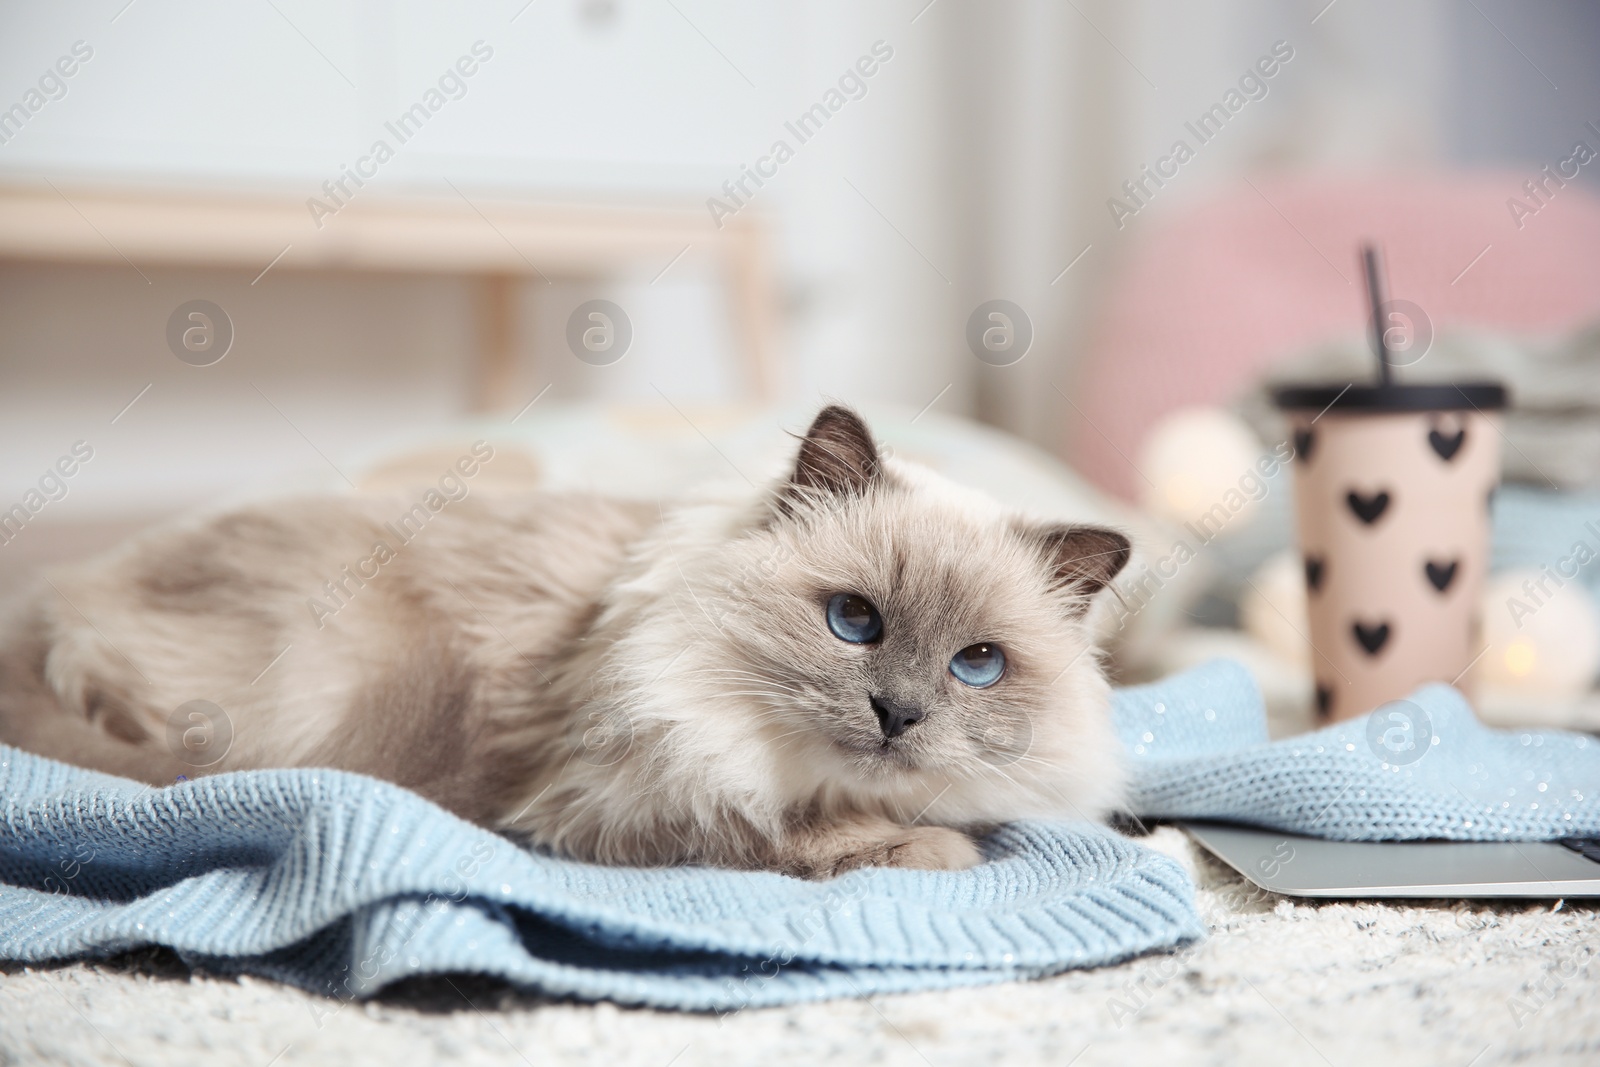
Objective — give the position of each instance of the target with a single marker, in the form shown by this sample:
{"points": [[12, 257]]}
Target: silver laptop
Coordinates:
{"points": [[1311, 867]]}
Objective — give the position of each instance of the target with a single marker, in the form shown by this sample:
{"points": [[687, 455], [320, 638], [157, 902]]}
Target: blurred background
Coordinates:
{"points": [[398, 217]]}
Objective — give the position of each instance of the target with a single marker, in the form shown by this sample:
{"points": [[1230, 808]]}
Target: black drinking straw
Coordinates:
{"points": [[1375, 301]]}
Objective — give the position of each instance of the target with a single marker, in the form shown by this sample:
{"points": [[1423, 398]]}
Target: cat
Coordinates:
{"points": [[859, 664]]}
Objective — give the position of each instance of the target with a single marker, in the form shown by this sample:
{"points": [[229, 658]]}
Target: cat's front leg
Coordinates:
{"points": [[824, 850]]}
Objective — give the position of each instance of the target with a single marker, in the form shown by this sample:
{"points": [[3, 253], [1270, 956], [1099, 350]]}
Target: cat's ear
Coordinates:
{"points": [[837, 458], [1083, 559]]}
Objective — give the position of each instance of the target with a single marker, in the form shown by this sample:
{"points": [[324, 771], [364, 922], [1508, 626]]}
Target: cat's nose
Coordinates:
{"points": [[894, 718]]}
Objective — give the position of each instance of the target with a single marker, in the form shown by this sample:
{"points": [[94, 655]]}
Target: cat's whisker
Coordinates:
{"points": [[786, 690], [751, 676], [1048, 765], [783, 741], [984, 765], [788, 739], [774, 701]]}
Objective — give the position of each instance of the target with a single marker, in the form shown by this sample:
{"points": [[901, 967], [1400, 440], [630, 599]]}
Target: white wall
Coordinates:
{"points": [[976, 166], [580, 99]]}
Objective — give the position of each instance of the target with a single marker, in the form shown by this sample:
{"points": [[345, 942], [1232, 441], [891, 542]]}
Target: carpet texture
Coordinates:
{"points": [[342, 885], [1276, 983]]}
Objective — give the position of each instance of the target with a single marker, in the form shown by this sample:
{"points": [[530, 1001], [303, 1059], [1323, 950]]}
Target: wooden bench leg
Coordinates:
{"points": [[755, 314], [495, 375]]}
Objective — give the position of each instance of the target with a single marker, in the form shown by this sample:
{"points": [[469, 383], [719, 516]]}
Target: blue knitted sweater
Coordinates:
{"points": [[342, 884]]}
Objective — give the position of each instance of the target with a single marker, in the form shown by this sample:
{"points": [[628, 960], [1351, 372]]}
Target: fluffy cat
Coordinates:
{"points": [[861, 664]]}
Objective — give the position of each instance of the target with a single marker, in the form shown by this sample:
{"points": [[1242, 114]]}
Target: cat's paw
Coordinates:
{"points": [[933, 848], [923, 848]]}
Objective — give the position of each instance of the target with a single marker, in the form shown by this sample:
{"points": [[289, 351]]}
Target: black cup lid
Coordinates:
{"points": [[1443, 396]]}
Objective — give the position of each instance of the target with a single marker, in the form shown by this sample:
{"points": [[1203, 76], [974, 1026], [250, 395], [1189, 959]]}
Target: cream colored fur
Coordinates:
{"points": [[618, 682]]}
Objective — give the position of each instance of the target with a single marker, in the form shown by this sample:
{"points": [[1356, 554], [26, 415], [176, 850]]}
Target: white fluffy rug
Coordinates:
{"points": [[1277, 982]]}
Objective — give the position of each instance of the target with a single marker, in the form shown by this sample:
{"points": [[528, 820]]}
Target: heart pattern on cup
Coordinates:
{"points": [[1447, 445], [1369, 509], [1303, 442], [1441, 574], [1371, 638], [1392, 546]]}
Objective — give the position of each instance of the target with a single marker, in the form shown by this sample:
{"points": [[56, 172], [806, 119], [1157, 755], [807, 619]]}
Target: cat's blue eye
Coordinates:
{"points": [[979, 665], [852, 618]]}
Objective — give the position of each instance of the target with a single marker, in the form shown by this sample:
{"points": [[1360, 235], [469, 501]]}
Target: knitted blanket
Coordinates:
{"points": [[343, 884], [1423, 767]]}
